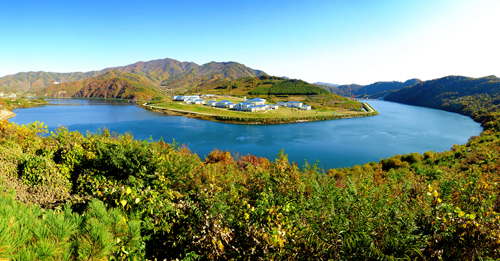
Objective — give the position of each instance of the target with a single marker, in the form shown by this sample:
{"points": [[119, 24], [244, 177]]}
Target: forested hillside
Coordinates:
{"points": [[113, 84], [465, 95], [119, 85], [208, 74], [288, 87], [108, 196]]}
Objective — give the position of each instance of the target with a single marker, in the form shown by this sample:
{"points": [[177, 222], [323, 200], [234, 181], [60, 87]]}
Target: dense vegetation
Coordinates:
{"points": [[432, 206], [469, 96], [288, 87]]}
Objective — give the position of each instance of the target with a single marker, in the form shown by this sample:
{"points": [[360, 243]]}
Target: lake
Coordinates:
{"points": [[397, 129]]}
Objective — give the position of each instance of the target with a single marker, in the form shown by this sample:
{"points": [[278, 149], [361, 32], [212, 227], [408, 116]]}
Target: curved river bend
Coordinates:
{"points": [[397, 129]]}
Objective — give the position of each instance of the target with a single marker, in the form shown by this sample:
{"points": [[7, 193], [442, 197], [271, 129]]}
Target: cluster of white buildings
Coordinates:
{"points": [[295, 104], [189, 99], [255, 104]]}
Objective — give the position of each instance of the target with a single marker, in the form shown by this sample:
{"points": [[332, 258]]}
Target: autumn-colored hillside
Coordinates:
{"points": [[163, 73], [113, 84]]}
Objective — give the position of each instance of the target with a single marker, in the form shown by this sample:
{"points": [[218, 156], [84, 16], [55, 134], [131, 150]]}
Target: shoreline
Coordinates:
{"points": [[5, 114]]}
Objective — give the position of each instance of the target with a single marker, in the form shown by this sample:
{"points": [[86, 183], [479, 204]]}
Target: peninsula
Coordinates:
{"points": [[260, 100]]}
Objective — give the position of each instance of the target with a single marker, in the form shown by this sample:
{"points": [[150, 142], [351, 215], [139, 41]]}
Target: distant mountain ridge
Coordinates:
{"points": [[327, 84], [374, 88], [164, 73], [31, 81], [460, 94]]}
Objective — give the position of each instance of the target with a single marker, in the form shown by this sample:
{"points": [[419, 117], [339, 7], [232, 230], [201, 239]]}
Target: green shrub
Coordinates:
{"points": [[32, 233]]}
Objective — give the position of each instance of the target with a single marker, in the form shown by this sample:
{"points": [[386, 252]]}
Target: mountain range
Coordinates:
{"points": [[364, 90], [326, 84], [154, 76]]}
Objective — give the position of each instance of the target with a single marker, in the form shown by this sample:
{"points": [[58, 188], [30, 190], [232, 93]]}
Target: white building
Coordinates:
{"points": [[222, 104], [294, 104], [305, 107], [243, 106], [189, 101], [260, 107], [257, 101], [198, 101], [185, 97], [211, 103]]}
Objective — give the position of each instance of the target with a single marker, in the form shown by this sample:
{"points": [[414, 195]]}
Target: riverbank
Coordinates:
{"points": [[244, 119], [5, 114]]}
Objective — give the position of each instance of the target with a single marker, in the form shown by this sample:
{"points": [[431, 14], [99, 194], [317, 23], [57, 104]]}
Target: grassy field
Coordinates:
{"points": [[281, 112]]}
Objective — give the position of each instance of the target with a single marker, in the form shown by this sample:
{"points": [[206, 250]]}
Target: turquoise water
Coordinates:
{"points": [[397, 129]]}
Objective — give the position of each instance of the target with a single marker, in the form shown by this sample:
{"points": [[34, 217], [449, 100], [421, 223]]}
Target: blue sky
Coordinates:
{"points": [[356, 41]]}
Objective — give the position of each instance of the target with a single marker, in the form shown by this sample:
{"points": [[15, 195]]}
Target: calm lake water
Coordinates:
{"points": [[397, 129]]}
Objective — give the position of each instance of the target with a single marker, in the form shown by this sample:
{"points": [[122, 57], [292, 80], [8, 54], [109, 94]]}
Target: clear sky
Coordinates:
{"points": [[348, 41]]}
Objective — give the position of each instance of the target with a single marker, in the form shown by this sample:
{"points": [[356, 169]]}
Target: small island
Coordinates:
{"points": [[271, 100]]}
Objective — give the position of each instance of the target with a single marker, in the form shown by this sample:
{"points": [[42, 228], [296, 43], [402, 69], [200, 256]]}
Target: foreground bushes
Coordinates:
{"points": [[32, 233], [164, 202]]}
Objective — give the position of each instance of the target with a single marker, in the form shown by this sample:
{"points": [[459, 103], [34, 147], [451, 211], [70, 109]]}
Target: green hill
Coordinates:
{"points": [[465, 95], [288, 87], [264, 85]]}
